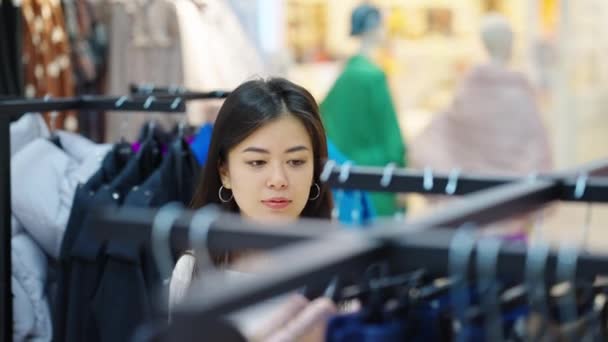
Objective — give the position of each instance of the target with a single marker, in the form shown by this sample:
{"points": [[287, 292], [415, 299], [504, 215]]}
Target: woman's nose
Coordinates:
{"points": [[278, 178]]}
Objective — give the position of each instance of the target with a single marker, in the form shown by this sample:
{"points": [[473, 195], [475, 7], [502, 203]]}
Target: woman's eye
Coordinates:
{"points": [[256, 163], [297, 162]]}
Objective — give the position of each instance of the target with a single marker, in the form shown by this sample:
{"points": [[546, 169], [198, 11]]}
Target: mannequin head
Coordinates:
{"points": [[497, 37], [366, 24]]}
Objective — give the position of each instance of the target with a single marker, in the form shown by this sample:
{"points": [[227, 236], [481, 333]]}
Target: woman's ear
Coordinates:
{"points": [[222, 169]]}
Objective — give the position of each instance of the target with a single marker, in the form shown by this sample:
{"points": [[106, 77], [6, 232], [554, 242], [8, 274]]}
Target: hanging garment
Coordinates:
{"points": [[46, 51], [201, 143], [89, 254], [44, 180], [32, 317], [11, 67], [209, 63], [360, 119], [352, 327], [86, 258], [130, 275], [144, 47], [28, 128], [88, 39], [111, 166]]}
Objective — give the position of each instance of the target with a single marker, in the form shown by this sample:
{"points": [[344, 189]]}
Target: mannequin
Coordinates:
{"points": [[358, 112], [369, 30], [497, 38]]}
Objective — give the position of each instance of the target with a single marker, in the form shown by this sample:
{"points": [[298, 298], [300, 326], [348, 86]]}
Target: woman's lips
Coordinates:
{"points": [[277, 203]]}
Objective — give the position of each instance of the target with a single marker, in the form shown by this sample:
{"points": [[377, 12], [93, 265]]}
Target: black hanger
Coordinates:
{"points": [[150, 154], [379, 288], [184, 162]]}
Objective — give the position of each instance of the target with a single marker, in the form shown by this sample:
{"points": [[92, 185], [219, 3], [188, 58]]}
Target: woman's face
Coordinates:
{"points": [[270, 173]]}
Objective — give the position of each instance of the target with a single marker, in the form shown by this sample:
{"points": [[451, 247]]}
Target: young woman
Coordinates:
{"points": [[264, 162], [266, 154]]}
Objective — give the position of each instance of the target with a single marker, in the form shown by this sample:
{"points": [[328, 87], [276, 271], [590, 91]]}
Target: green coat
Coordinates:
{"points": [[360, 119]]}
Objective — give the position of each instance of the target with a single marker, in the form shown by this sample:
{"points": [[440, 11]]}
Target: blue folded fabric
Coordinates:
{"points": [[353, 328], [202, 141], [354, 207]]}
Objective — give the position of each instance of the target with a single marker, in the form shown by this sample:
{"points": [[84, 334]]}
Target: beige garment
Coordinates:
{"points": [[493, 126], [144, 48], [217, 53]]}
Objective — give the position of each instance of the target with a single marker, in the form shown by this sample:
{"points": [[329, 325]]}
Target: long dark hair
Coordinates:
{"points": [[249, 107]]}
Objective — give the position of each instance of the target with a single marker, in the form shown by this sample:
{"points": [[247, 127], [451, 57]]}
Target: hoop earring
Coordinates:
{"points": [[219, 195], [318, 192]]}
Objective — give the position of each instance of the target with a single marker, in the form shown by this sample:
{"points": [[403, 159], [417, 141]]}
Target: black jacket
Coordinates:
{"points": [[88, 256], [130, 277], [84, 196]]}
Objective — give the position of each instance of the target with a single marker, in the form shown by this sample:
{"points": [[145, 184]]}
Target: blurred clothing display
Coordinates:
{"points": [[175, 42], [46, 51], [493, 126], [360, 119], [89, 45]]}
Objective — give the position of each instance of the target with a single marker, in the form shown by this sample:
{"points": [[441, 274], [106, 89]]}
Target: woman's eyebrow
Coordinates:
{"points": [[262, 150], [256, 149], [296, 149]]}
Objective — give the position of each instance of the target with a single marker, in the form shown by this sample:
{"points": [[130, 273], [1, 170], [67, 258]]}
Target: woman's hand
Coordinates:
{"points": [[296, 319]]}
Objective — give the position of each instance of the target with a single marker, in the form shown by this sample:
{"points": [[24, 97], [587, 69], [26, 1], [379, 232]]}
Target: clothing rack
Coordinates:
{"points": [[502, 197], [325, 251], [151, 89], [320, 259], [10, 110], [425, 182]]}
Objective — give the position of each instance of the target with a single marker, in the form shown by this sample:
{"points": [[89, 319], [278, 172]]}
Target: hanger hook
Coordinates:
{"points": [[120, 101], [345, 171], [327, 169], [161, 234], [450, 188], [149, 101], [581, 186], [536, 263], [387, 174], [428, 179], [176, 102], [461, 249], [199, 233], [567, 259], [488, 250]]}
